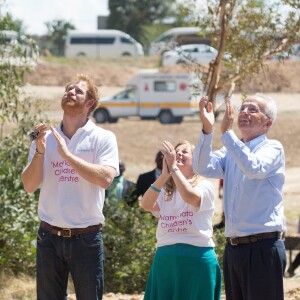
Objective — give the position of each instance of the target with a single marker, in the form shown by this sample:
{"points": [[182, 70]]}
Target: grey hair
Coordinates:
{"points": [[271, 107]]}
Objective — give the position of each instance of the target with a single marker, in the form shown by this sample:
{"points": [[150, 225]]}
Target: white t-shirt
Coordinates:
{"points": [[66, 199], [180, 222]]}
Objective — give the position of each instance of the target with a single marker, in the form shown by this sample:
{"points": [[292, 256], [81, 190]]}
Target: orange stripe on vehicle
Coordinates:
{"points": [[151, 104], [177, 104], [117, 105]]}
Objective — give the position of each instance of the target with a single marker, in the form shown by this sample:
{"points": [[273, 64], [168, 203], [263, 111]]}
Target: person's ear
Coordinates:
{"points": [[268, 123], [90, 103]]}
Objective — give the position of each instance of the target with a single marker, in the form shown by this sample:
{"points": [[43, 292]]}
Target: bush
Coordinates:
{"points": [[18, 209], [129, 239], [220, 241]]}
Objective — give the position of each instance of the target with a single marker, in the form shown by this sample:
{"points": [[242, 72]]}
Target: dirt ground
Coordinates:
{"points": [[139, 140]]}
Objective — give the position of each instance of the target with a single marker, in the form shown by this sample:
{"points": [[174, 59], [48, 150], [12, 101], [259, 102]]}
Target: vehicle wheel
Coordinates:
{"points": [[180, 61], [81, 54], [126, 54], [113, 120], [101, 116], [178, 120], [166, 117], [216, 113]]}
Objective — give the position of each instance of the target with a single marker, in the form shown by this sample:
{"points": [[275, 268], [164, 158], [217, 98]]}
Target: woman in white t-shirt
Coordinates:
{"points": [[185, 266]]}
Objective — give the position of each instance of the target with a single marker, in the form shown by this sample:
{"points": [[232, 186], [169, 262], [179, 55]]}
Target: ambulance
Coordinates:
{"points": [[164, 96]]}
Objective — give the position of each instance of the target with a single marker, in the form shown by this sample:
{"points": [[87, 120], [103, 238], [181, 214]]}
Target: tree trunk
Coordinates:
{"points": [[215, 67]]}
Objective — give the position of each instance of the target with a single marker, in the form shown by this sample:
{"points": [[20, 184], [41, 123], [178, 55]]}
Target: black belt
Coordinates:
{"points": [[234, 241], [70, 232]]}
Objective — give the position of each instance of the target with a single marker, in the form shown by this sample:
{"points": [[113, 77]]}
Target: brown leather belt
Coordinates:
{"points": [[70, 232], [234, 241]]}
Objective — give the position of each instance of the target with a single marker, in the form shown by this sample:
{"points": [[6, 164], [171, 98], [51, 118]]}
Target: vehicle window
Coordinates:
{"points": [[165, 86], [191, 50], [202, 48], [185, 39], [165, 39], [128, 94], [7, 38], [126, 40], [92, 40]]}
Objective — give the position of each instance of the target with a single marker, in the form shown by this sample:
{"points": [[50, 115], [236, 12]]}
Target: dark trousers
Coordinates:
{"points": [[82, 256], [295, 264], [255, 271]]}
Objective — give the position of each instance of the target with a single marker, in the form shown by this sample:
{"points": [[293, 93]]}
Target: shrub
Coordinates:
{"points": [[129, 239], [220, 240], [18, 209]]}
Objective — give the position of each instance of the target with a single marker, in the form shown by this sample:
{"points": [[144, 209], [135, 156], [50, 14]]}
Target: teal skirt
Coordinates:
{"points": [[184, 272]]}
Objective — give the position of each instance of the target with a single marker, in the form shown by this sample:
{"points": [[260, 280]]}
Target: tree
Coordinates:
{"points": [[131, 15], [58, 30], [249, 32], [15, 60], [8, 23], [18, 209]]}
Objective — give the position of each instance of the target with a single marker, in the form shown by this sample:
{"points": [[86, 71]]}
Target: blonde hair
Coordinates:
{"points": [[170, 186]]}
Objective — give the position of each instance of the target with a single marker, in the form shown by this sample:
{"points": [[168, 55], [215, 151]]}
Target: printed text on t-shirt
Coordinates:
{"points": [[64, 172], [178, 223]]}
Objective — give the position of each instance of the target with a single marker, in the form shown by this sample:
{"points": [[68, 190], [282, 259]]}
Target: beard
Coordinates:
{"points": [[72, 107]]}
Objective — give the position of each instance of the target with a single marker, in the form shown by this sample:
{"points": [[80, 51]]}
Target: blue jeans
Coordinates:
{"points": [[56, 257]]}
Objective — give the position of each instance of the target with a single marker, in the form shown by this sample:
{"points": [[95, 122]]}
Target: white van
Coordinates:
{"points": [[13, 46], [101, 44], [176, 37], [164, 96], [8, 36]]}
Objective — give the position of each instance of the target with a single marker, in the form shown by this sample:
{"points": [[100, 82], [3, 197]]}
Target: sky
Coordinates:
{"points": [[34, 13]]}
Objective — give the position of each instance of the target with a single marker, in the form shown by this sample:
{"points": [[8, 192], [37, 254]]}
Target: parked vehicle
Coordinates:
{"points": [[176, 37], [279, 56], [164, 96], [15, 50], [296, 50], [101, 44], [8, 36], [200, 53]]}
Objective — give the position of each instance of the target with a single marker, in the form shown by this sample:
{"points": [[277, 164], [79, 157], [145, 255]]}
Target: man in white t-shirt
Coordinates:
{"points": [[72, 165]]}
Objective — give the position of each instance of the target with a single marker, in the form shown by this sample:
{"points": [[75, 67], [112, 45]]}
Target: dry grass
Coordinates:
{"points": [[277, 77], [16, 287]]}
